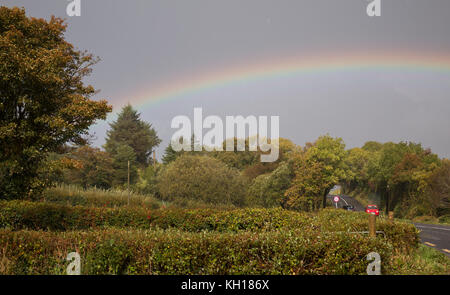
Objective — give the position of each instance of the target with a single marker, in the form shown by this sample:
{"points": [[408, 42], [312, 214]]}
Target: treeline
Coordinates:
{"points": [[408, 179]]}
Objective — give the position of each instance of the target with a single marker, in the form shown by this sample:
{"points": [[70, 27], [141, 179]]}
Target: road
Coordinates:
{"points": [[432, 235], [435, 236], [347, 200]]}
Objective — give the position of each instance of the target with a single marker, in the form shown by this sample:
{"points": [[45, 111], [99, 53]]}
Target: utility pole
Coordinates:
{"points": [[154, 159], [128, 183]]}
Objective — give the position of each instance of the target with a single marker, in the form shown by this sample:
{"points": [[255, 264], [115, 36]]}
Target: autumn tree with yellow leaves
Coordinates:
{"points": [[43, 100]]}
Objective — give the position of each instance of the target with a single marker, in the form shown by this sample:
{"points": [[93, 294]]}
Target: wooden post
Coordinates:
{"points": [[391, 215], [372, 225], [128, 183], [154, 158]]}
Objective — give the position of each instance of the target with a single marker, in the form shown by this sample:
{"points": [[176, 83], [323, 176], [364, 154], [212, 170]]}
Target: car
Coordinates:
{"points": [[348, 207], [372, 209]]}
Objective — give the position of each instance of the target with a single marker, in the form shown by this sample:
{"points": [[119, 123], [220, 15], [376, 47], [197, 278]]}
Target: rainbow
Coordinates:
{"points": [[288, 67]]}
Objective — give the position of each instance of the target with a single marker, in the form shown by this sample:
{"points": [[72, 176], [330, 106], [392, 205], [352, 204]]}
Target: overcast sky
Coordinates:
{"points": [[144, 44]]}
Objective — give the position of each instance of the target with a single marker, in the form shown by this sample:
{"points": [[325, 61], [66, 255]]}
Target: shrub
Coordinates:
{"points": [[108, 257], [18, 215], [174, 252], [202, 178], [267, 190], [444, 219]]}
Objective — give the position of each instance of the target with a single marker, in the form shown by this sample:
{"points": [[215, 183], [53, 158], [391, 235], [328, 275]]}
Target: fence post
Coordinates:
{"points": [[391, 215], [128, 183], [372, 225]]}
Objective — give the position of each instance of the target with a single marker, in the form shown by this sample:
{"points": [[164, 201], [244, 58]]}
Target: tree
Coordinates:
{"points": [[286, 148], [201, 178], [43, 100], [400, 173], [372, 146], [123, 155], [268, 190], [329, 153], [236, 159], [317, 168], [308, 184], [170, 154], [94, 169], [439, 189], [148, 179], [130, 130], [356, 166]]}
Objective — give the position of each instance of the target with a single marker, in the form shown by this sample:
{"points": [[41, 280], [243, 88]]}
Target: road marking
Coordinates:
{"points": [[446, 250], [433, 227], [430, 244]]}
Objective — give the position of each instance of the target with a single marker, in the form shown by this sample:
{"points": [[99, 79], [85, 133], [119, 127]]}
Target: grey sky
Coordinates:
{"points": [[145, 43]]}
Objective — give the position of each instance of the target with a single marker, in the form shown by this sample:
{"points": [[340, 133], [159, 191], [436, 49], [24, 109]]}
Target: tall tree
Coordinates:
{"points": [[124, 154], [130, 130], [330, 153], [317, 169], [306, 190], [43, 100]]}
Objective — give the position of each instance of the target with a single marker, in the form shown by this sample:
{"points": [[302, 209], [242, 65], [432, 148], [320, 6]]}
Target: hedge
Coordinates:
{"points": [[168, 252], [17, 215]]}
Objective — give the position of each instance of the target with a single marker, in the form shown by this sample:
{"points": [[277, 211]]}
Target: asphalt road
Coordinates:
{"points": [[346, 200], [435, 236], [432, 235]]}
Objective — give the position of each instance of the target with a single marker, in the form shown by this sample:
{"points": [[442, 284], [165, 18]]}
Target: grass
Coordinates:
{"points": [[95, 197], [423, 261]]}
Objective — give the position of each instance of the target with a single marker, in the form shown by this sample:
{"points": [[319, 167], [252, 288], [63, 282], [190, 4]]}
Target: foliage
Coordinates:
{"points": [[43, 100], [95, 197], [439, 190], [280, 242], [175, 252], [400, 172], [425, 261], [94, 168], [237, 159], [306, 190], [268, 190], [356, 166], [329, 153], [19, 215], [124, 157], [170, 154], [201, 178], [148, 179], [317, 169], [130, 130]]}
